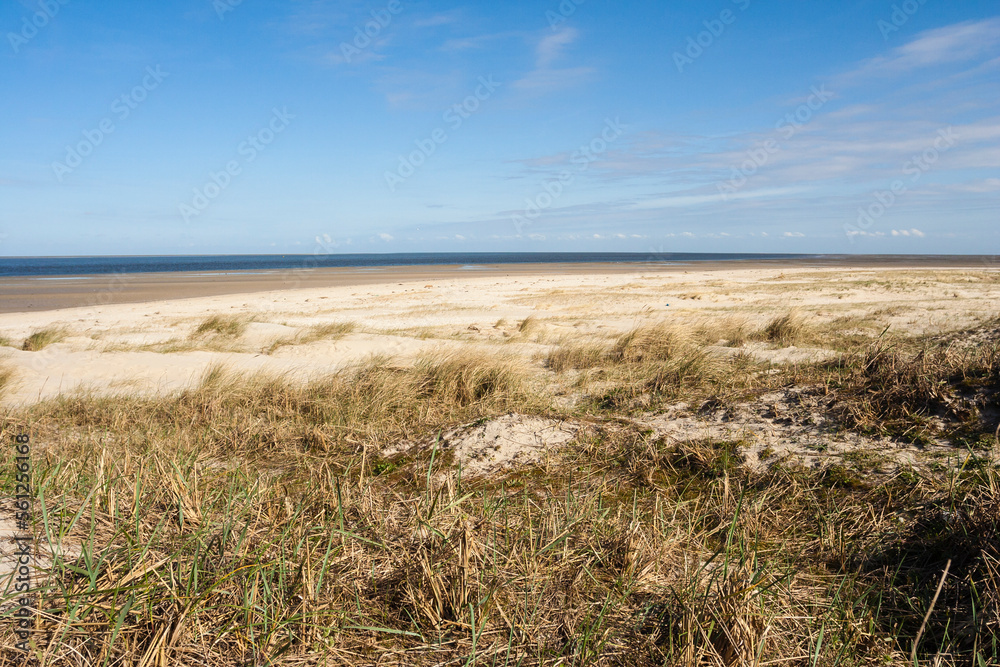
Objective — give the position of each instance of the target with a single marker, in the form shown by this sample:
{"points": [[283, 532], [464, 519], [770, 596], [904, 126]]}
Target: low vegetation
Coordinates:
{"points": [[7, 375], [784, 330], [919, 395], [43, 338], [255, 520], [328, 331], [232, 326]]}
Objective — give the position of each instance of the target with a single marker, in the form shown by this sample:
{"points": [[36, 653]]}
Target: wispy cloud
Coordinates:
{"points": [[476, 42], [960, 42], [866, 138], [545, 77], [860, 144], [443, 18], [551, 46]]}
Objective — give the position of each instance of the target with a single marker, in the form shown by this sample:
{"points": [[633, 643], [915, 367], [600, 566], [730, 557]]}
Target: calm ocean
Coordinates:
{"points": [[77, 266]]}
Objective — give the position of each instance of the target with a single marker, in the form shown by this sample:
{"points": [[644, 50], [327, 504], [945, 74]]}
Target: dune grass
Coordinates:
{"points": [[5, 341], [232, 326], [42, 338], [915, 396], [653, 342], [731, 331], [330, 330], [787, 329], [651, 365], [316, 332], [250, 520], [568, 355], [647, 343], [7, 375]]}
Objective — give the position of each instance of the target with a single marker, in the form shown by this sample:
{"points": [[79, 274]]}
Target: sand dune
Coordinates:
{"points": [[151, 347]]}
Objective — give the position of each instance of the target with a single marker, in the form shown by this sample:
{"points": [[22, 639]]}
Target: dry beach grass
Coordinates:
{"points": [[694, 493]]}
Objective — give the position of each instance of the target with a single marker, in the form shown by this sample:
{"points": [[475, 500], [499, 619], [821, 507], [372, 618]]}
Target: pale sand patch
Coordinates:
{"points": [[794, 428], [40, 557], [508, 441], [790, 428], [778, 355]]}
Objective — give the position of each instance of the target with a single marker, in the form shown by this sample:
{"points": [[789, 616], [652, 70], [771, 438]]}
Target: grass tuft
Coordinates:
{"points": [[785, 330], [567, 355], [464, 378], [232, 326], [649, 343], [333, 330], [528, 324], [914, 396], [328, 331], [43, 338], [6, 378]]}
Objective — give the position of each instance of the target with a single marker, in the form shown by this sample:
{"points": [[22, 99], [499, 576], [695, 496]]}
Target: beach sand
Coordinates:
{"points": [[638, 449], [148, 344]]}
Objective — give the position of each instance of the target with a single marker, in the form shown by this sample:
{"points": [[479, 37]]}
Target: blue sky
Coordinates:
{"points": [[255, 126]]}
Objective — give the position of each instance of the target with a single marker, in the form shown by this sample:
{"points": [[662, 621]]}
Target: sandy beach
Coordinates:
{"points": [[151, 346], [488, 433], [559, 334]]}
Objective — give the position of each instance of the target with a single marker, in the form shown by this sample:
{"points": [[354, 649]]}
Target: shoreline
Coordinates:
{"points": [[34, 294]]}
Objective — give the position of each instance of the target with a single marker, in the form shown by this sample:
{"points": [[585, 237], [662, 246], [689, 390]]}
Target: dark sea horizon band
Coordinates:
{"points": [[100, 265], [28, 267]]}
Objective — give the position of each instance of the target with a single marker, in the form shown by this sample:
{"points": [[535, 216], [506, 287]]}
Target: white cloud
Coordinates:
{"points": [[984, 185], [949, 44], [385, 237], [545, 77], [551, 46], [793, 234], [476, 42]]}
